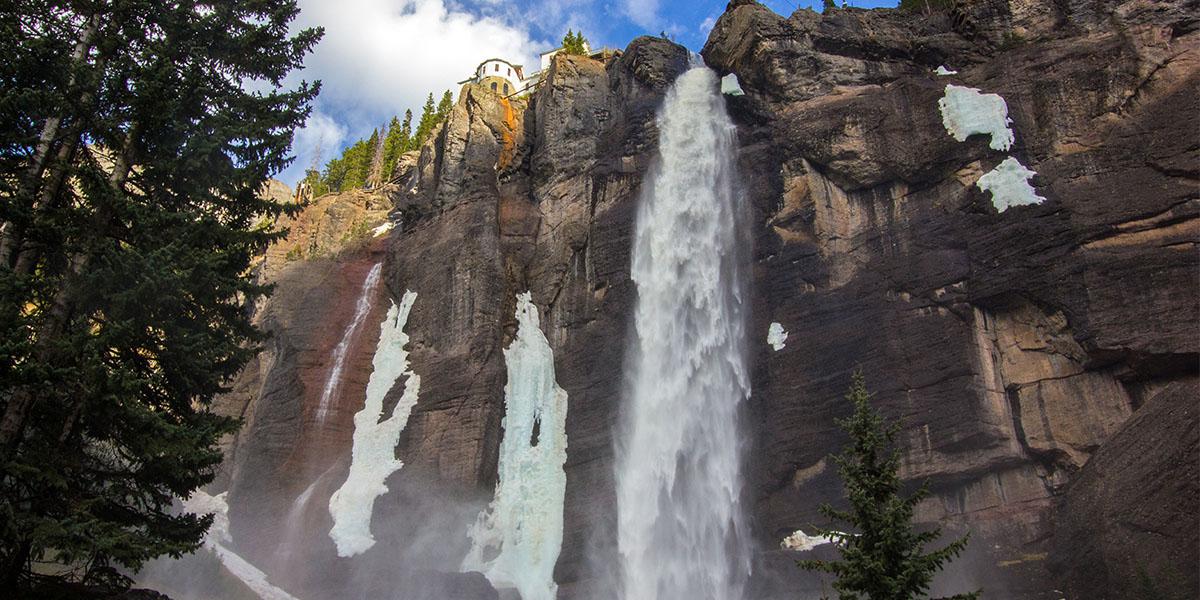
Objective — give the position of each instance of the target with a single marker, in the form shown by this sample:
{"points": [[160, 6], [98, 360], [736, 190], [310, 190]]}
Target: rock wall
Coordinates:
{"points": [[1018, 348], [1011, 345]]}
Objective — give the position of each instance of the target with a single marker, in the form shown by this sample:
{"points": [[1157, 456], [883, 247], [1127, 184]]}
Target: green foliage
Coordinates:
{"points": [[360, 229], [131, 160], [396, 143], [828, 6], [294, 254], [429, 120], [352, 169], [883, 558], [575, 43]]}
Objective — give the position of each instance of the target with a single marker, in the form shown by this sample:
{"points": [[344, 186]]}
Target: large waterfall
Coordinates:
{"points": [[681, 533]]}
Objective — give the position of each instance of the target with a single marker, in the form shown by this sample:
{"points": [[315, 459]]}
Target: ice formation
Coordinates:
{"points": [[776, 335], [803, 542], [942, 70], [681, 529], [1009, 185], [333, 381], [382, 229], [516, 541], [373, 456], [731, 86], [218, 535], [965, 112]]}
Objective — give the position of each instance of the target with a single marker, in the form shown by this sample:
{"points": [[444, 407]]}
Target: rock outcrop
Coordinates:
{"points": [[1011, 345], [1031, 354]]}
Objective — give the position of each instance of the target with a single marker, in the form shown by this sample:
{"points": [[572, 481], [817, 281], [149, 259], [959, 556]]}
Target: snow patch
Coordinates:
{"points": [[516, 541], [373, 457], [218, 535], [1009, 185], [942, 71], [382, 229], [966, 111], [802, 542], [776, 335], [731, 86]]}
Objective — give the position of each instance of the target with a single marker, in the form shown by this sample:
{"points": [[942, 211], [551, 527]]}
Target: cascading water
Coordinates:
{"points": [[334, 380], [681, 533]]}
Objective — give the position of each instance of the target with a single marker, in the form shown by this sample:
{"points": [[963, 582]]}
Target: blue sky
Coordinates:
{"points": [[380, 57]]}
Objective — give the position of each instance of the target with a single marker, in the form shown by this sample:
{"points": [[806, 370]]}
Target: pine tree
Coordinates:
{"points": [[445, 105], [130, 166], [574, 43], [427, 123], [393, 146], [406, 132], [829, 5], [884, 558]]}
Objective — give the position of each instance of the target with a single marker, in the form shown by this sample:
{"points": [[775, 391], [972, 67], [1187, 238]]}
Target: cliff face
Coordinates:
{"points": [[1011, 344], [1030, 353]]}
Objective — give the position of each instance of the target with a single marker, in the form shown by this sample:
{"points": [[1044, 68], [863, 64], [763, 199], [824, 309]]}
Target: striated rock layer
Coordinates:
{"points": [[1035, 356]]}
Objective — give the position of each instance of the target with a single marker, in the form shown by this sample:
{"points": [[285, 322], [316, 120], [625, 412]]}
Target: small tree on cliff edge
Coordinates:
{"points": [[574, 43], [886, 558]]}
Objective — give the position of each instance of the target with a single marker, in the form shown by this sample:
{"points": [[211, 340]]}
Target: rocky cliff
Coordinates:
{"points": [[1042, 360]]}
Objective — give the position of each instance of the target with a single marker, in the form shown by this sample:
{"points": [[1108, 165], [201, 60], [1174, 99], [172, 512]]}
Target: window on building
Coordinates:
{"points": [[506, 89], [510, 72], [497, 68], [493, 86]]}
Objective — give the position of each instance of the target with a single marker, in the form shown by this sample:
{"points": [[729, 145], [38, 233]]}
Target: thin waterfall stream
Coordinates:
{"points": [[333, 381], [681, 530]]}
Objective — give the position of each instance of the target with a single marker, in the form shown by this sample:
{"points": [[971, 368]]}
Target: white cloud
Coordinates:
{"points": [[316, 143], [380, 57], [643, 12]]}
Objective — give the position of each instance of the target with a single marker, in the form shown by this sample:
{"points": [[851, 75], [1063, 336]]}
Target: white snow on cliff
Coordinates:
{"points": [[802, 542], [942, 71], [218, 535], [516, 541], [966, 111], [776, 335], [730, 85], [373, 457], [1009, 185]]}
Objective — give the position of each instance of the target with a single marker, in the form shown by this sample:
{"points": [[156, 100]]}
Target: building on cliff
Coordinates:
{"points": [[502, 76], [508, 79]]}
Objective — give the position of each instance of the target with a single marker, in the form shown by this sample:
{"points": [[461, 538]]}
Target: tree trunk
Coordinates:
{"points": [[16, 412], [11, 233]]}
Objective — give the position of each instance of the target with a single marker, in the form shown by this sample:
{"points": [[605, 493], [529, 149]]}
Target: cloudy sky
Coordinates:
{"points": [[381, 57]]}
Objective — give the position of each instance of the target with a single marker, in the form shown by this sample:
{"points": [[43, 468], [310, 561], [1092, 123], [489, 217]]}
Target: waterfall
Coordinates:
{"points": [[334, 380], [681, 533]]}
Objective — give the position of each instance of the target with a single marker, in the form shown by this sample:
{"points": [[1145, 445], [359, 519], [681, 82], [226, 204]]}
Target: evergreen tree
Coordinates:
{"points": [[445, 105], [829, 5], [131, 158], [885, 558], [574, 43], [394, 144], [406, 132], [427, 123]]}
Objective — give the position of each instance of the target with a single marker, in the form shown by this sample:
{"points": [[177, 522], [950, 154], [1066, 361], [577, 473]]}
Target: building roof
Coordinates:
{"points": [[517, 68]]}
